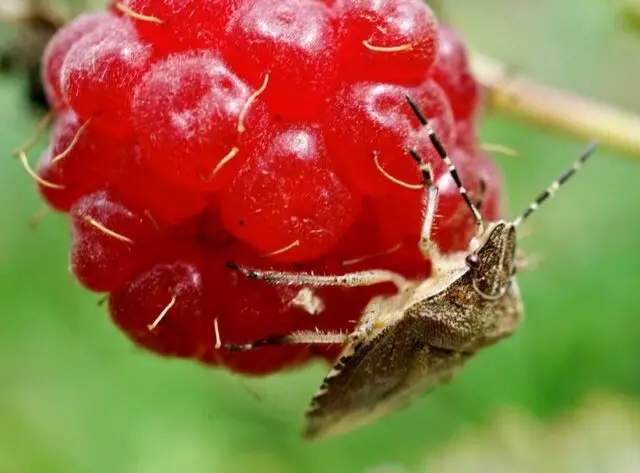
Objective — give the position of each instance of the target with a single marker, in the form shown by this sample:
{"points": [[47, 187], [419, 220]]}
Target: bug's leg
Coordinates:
{"points": [[304, 338], [355, 279], [309, 337], [427, 246]]}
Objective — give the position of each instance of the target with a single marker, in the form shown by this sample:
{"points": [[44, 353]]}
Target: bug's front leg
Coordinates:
{"points": [[355, 279]]}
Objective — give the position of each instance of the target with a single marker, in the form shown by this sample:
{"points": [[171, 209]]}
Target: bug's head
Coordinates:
{"points": [[491, 259]]}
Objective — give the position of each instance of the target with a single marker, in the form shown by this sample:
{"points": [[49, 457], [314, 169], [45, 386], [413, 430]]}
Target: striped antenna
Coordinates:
{"points": [[551, 190], [437, 144]]}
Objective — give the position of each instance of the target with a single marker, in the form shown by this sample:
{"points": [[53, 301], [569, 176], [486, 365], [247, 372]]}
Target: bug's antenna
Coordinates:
{"points": [[437, 144], [551, 190]]}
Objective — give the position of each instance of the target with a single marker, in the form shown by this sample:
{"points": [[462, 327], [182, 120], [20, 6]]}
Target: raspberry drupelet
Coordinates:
{"points": [[271, 134]]}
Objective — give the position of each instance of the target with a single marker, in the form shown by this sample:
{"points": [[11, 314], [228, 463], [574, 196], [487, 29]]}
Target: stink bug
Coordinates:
{"points": [[407, 343]]}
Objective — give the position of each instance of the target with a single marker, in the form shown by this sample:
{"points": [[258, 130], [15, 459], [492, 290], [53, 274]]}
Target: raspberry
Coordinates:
{"points": [[466, 134], [85, 157], [164, 201], [291, 44], [492, 180], [55, 193], [452, 73], [211, 228], [58, 48], [187, 112], [368, 119], [455, 229], [109, 241], [287, 197], [246, 310], [164, 307], [274, 134], [405, 28], [99, 71], [182, 24], [80, 159]]}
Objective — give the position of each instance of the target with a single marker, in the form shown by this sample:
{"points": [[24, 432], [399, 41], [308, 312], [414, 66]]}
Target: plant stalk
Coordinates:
{"points": [[560, 111]]}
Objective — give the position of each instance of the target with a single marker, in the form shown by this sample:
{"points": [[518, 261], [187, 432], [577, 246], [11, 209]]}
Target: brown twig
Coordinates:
{"points": [[522, 98], [35, 13]]}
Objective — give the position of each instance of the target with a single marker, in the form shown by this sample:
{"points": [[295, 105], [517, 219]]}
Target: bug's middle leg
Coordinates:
{"points": [[303, 337]]}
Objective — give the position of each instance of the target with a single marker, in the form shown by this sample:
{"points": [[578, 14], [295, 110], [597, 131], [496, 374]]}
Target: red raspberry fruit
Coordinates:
{"points": [[243, 311], [84, 157], [288, 196], [451, 71], [186, 112], [291, 45], [58, 48], [466, 134], [271, 133], [164, 307], [164, 201], [179, 25], [109, 241], [50, 184], [80, 159], [99, 72], [368, 120], [391, 41]]}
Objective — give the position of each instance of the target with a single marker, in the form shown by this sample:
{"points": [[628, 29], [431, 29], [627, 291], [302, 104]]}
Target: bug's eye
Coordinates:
{"points": [[472, 261]]}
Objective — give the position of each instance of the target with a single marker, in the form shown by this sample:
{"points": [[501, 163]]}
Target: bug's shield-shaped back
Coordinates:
{"points": [[379, 377]]}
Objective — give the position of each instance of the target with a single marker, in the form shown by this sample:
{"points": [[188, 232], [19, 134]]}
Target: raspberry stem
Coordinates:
{"points": [[92, 221], [152, 326], [228, 157], [138, 16], [282, 250], [41, 128], [393, 179], [387, 49], [252, 98], [216, 328], [22, 156], [560, 111], [73, 143]]}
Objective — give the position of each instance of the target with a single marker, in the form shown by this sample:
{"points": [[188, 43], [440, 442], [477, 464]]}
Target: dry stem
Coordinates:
{"points": [[522, 98]]}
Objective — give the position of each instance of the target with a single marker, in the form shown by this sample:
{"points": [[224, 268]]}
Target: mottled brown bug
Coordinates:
{"points": [[410, 342]]}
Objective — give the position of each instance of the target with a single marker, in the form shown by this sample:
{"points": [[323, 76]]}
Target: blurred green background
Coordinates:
{"points": [[75, 396]]}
